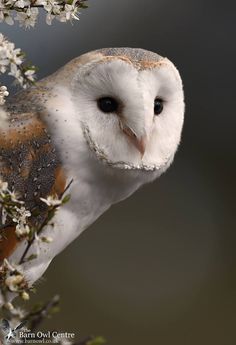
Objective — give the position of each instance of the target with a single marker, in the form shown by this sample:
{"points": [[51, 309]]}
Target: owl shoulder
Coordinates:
{"points": [[29, 162]]}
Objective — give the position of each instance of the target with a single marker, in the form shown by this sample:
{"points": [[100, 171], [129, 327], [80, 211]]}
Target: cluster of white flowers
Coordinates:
{"points": [[11, 61], [12, 275], [3, 93], [27, 11], [12, 206], [20, 218], [13, 278], [8, 195], [13, 281]]}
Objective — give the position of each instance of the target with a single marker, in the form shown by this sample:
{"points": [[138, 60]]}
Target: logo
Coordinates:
{"points": [[21, 334], [10, 333]]}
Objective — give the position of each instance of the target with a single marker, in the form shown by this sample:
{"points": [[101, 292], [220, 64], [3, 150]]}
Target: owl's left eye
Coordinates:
{"points": [[108, 104], [158, 106]]}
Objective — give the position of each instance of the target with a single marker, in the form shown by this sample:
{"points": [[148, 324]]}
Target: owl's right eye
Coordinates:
{"points": [[108, 104], [158, 106]]}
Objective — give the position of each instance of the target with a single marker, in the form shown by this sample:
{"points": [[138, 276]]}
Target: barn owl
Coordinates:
{"points": [[111, 120]]}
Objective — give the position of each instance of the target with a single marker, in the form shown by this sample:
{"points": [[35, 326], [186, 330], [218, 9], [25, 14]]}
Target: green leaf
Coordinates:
{"points": [[31, 257], [33, 289], [51, 214], [66, 199], [45, 239]]}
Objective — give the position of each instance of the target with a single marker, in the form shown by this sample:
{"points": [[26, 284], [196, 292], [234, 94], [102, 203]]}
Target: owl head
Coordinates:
{"points": [[130, 104]]}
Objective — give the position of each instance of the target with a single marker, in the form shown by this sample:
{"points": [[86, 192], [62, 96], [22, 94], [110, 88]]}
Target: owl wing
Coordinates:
{"points": [[30, 164]]}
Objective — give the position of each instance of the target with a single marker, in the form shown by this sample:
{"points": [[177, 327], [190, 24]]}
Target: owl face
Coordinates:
{"points": [[131, 111]]}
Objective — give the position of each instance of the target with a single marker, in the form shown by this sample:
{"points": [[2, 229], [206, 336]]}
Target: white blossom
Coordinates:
{"points": [[11, 58], [27, 11], [49, 18], [14, 55], [22, 214], [22, 230], [5, 15], [47, 239], [16, 73], [15, 197], [27, 18], [4, 59], [21, 3], [3, 93], [52, 6], [71, 11], [37, 241], [3, 186], [25, 296], [8, 265], [13, 281], [9, 306], [51, 201], [30, 74]]}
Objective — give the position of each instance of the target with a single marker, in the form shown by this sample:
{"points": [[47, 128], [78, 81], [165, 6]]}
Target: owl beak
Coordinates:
{"points": [[139, 143]]}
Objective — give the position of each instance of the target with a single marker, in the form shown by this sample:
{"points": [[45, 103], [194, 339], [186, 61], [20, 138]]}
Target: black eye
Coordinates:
{"points": [[158, 106], [107, 104]]}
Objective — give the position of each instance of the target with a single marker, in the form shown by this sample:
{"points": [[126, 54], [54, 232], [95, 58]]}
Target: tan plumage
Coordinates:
{"points": [[31, 166]]}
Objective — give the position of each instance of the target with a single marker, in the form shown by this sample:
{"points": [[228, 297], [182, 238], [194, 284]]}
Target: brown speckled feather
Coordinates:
{"points": [[29, 162]]}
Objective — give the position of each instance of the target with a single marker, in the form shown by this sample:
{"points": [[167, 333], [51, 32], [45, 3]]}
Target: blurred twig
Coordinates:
{"points": [[37, 316]]}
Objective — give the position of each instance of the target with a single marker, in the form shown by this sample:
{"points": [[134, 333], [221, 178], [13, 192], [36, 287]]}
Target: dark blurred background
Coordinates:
{"points": [[160, 267]]}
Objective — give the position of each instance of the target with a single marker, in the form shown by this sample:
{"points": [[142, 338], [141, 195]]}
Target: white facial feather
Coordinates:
{"points": [[136, 91]]}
